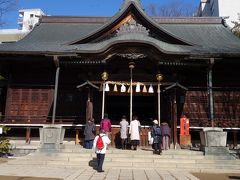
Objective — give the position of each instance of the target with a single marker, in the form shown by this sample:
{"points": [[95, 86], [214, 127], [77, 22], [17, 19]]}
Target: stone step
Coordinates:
{"points": [[118, 155], [222, 157], [125, 158], [182, 152], [117, 151], [108, 164], [128, 159], [76, 156], [142, 151], [206, 161]]}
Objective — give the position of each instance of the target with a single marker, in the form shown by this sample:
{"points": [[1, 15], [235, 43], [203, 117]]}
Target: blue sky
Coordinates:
{"points": [[77, 7]]}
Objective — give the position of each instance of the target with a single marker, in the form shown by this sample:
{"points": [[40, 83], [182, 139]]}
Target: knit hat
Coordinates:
{"points": [[155, 121]]}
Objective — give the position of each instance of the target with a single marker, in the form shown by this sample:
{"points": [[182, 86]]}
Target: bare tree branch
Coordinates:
{"points": [[5, 7], [174, 8]]}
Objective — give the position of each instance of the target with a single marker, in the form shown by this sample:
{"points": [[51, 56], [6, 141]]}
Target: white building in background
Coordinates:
{"points": [[228, 9], [28, 18]]}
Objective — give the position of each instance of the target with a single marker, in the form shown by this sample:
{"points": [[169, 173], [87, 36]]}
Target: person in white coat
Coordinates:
{"points": [[101, 152], [124, 131], [134, 131]]}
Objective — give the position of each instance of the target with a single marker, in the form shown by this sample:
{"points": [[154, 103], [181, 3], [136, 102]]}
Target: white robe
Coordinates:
{"points": [[134, 130], [124, 129]]}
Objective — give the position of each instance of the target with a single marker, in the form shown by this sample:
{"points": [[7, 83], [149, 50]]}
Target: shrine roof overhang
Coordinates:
{"points": [[129, 40], [212, 46], [197, 37]]}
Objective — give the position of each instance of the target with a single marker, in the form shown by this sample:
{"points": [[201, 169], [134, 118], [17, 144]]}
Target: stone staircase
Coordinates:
{"points": [[76, 156]]}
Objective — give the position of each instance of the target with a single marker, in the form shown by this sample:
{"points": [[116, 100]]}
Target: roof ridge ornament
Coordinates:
{"points": [[132, 27]]}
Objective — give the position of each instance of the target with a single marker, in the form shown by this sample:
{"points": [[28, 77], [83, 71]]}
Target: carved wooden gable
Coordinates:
{"points": [[132, 20]]}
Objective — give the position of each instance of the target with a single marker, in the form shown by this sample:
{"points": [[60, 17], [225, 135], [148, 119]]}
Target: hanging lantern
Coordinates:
{"points": [[123, 88], [138, 89], [115, 88], [107, 87], [144, 89], [150, 90], [104, 76]]}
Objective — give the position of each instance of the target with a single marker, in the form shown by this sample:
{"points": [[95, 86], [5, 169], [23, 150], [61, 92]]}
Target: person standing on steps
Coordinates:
{"points": [[134, 131], [124, 131], [157, 137], [89, 133], [100, 144], [166, 133], [105, 124]]}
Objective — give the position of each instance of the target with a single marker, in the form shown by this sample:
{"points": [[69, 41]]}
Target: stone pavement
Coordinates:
{"points": [[88, 173]]}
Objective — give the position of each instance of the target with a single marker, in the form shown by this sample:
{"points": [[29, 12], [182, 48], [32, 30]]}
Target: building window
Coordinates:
{"points": [[31, 15]]}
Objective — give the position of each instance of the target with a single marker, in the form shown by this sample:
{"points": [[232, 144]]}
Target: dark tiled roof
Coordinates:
{"points": [[160, 20], [212, 38]]}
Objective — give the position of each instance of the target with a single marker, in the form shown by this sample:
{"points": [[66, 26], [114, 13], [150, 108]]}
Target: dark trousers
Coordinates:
{"points": [[124, 143], [157, 148], [100, 159], [89, 144]]}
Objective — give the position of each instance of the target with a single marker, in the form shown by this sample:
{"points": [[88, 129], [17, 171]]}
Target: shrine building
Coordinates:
{"points": [[128, 64]]}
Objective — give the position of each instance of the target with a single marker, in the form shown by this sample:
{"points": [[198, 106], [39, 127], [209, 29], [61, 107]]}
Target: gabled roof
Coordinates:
{"points": [[186, 35], [134, 9]]}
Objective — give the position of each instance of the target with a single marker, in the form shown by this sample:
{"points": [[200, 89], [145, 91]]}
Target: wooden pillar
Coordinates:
{"points": [[210, 92], [56, 60], [28, 135], [77, 141], [235, 139], [175, 118]]}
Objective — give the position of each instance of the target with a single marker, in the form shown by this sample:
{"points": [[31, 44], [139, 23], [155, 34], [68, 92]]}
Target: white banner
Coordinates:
{"points": [[1, 130]]}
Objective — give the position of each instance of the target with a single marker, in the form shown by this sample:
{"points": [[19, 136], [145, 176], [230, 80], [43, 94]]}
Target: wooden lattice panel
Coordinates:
{"points": [[28, 104], [226, 108]]}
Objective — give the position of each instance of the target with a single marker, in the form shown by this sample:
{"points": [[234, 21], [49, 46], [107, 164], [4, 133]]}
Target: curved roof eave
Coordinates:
{"points": [[145, 40], [124, 11]]}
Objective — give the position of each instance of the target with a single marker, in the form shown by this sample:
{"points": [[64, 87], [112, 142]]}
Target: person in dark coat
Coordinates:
{"points": [[89, 133], [166, 133], [157, 137]]}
